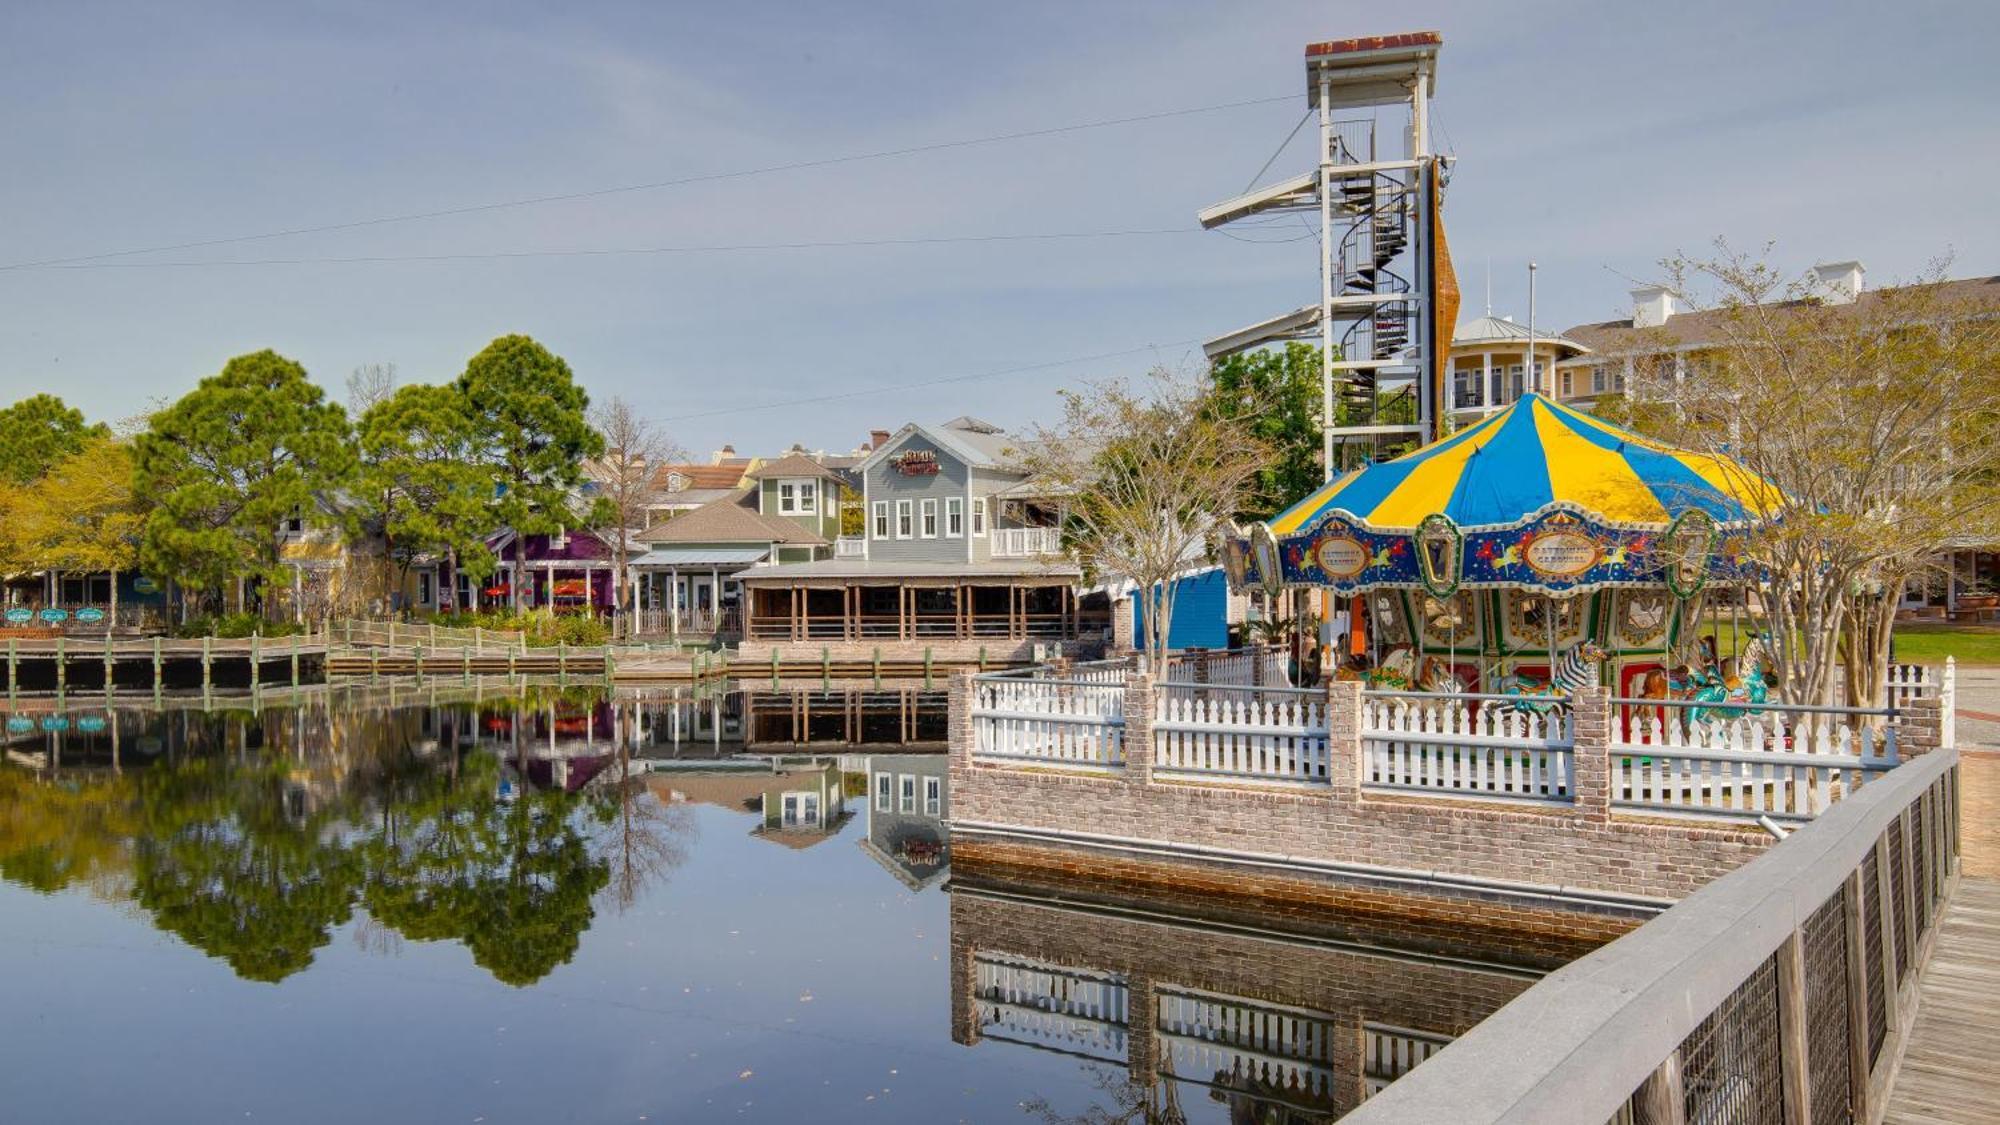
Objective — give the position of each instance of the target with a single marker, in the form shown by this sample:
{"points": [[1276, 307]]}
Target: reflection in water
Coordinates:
{"points": [[1172, 1010], [251, 835]]}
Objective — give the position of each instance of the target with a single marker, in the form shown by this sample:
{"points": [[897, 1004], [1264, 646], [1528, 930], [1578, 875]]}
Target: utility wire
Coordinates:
{"points": [[929, 382], [708, 177], [717, 248]]}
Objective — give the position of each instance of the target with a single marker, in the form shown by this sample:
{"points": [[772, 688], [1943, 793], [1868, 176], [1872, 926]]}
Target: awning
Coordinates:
{"points": [[662, 557]]}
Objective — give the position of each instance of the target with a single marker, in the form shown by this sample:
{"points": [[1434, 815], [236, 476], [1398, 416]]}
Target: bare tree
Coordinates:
{"points": [[1872, 428], [1148, 473], [369, 384], [628, 481]]}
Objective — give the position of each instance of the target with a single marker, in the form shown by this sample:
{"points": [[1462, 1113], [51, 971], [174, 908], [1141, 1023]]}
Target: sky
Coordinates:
{"points": [[1594, 139]]}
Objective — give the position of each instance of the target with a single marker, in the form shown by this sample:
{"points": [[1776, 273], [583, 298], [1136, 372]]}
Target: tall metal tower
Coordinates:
{"points": [[1388, 298]]}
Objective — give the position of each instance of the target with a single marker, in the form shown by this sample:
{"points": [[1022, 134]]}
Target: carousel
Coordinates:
{"points": [[1536, 551]]}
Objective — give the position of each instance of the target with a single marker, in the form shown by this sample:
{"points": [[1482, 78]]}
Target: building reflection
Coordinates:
{"points": [[1192, 1015], [904, 818]]}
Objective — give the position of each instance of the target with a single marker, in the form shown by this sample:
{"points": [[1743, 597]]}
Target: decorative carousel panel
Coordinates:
{"points": [[1530, 615], [1448, 622], [1338, 553], [1560, 550], [1640, 618], [1385, 619]]}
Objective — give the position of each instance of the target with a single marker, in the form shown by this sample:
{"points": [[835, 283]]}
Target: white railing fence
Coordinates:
{"points": [[1227, 1040], [849, 547], [1025, 542], [1261, 734], [1777, 760], [1466, 745], [1259, 666], [1075, 724], [1076, 1010]]}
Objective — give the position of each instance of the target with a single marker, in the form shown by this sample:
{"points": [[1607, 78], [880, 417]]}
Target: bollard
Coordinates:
{"points": [[465, 661], [774, 662], [256, 658], [478, 640], [510, 663], [982, 658], [62, 665], [420, 663], [434, 634], [156, 664], [13, 665], [207, 663], [375, 664], [392, 632], [295, 664], [825, 664], [610, 666], [927, 666]]}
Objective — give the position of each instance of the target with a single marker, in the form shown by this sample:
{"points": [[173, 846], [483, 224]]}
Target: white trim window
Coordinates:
{"points": [[934, 796], [881, 519], [798, 497], [906, 524], [885, 788], [929, 525], [954, 517], [908, 794], [979, 517]]}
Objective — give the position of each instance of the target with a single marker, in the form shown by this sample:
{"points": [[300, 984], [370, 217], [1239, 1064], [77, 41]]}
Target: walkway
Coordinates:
{"points": [[1951, 1069]]}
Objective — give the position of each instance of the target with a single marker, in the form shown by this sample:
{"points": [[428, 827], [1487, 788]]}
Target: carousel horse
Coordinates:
{"points": [[1740, 680], [1575, 670], [1400, 670]]}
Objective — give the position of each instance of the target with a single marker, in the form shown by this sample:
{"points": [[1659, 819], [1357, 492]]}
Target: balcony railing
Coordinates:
{"points": [[850, 547], [1026, 542]]}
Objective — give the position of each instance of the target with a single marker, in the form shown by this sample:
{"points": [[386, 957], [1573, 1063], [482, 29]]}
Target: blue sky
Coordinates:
{"points": [[1594, 138]]}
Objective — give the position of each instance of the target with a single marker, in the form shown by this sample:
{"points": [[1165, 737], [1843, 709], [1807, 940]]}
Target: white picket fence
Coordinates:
{"points": [[1080, 1011], [1238, 1043], [1260, 734], [1782, 762], [1070, 724], [1479, 746], [1239, 668]]}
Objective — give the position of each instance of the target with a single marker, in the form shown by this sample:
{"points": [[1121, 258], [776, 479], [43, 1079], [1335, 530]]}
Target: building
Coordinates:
{"points": [[681, 488], [959, 552], [1491, 366], [905, 817]]}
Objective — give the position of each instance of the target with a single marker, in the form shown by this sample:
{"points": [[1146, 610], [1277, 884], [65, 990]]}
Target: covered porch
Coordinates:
{"points": [[687, 590], [911, 608]]}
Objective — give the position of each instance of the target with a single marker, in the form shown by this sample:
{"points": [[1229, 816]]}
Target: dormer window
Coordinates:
{"points": [[676, 482], [798, 497]]}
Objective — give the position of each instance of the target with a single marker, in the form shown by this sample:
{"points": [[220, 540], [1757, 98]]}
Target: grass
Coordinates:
{"points": [[1929, 643]]}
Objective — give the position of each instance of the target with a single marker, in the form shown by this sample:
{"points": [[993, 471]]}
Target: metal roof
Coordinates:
{"points": [[701, 556]]}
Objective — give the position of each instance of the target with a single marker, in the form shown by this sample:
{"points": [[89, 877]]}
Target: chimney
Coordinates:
{"points": [[722, 455], [877, 438], [1840, 282], [1651, 306]]}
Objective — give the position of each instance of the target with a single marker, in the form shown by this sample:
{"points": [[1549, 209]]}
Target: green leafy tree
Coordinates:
{"points": [[81, 518], [419, 472], [231, 464], [39, 431], [532, 430], [1277, 395]]}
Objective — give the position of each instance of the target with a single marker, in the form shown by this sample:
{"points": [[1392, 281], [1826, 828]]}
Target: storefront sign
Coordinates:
{"points": [[55, 616], [1341, 556], [915, 462], [20, 615], [90, 615], [145, 585], [1562, 554]]}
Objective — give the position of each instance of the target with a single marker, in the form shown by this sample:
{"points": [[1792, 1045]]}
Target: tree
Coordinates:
{"points": [[627, 480], [1149, 474], [231, 464], [369, 386], [1873, 428], [81, 517], [532, 429], [418, 449], [39, 431], [1278, 394]]}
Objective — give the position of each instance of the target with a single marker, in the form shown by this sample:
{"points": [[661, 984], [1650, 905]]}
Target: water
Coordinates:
{"points": [[550, 905]]}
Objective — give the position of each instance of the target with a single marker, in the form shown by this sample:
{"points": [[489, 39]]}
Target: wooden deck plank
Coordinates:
{"points": [[1951, 1068]]}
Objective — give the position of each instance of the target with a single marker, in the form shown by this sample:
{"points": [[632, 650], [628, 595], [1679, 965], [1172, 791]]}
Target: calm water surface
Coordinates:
{"points": [[549, 905]]}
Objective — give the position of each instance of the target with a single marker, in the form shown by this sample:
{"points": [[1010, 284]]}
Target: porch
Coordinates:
{"points": [[912, 609]]}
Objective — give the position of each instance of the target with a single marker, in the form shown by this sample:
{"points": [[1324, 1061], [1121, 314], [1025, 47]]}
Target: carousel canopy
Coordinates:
{"points": [[1530, 456]]}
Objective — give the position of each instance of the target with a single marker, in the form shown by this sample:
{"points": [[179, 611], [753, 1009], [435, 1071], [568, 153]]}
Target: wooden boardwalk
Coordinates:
{"points": [[1951, 1068]]}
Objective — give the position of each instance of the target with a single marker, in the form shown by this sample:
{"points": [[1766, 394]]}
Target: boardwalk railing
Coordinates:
{"points": [[404, 634], [1781, 991], [1466, 745], [1777, 760]]}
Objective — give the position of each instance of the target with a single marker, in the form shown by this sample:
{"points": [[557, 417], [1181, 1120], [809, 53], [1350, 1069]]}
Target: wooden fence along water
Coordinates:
{"points": [[1761, 763]]}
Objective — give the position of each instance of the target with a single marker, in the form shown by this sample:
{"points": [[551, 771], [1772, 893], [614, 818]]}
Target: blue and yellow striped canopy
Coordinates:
{"points": [[1534, 454]]}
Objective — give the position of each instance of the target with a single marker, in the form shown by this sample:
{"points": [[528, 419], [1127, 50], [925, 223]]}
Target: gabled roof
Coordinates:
{"points": [[729, 521], [701, 476], [1974, 295], [982, 447], [793, 465]]}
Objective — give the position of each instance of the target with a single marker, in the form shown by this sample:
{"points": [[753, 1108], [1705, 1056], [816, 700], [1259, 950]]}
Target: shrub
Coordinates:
{"points": [[231, 626]]}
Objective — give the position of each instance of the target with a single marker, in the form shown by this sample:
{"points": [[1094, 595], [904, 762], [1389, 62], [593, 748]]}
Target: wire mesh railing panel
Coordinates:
{"points": [[1871, 962], [1899, 908], [1827, 1063], [1731, 1073]]}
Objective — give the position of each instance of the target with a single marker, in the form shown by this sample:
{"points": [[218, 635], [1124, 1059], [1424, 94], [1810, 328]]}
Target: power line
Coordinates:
{"points": [[591, 252], [682, 181], [930, 382]]}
